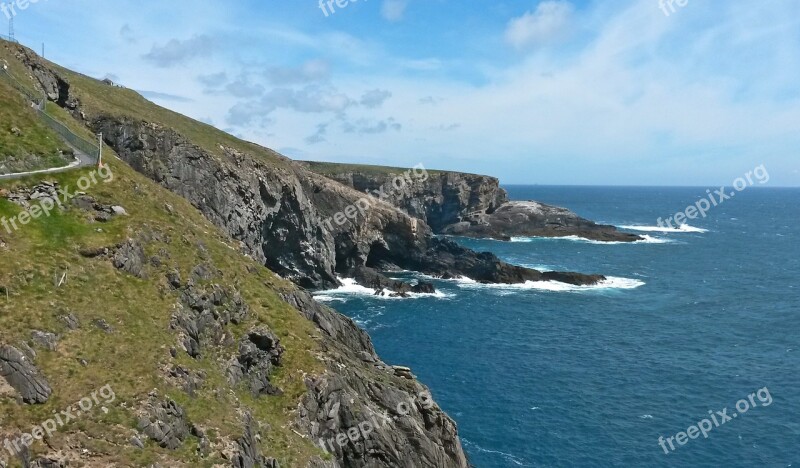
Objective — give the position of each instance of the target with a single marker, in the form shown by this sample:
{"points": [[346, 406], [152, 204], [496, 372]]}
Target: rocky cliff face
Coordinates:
{"points": [[443, 199], [471, 205], [360, 410]]}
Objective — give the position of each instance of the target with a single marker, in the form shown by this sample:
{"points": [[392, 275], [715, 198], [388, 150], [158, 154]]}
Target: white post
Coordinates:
{"points": [[100, 154]]}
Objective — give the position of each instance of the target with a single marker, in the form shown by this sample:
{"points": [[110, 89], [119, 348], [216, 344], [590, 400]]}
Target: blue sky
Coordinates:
{"points": [[549, 92]]}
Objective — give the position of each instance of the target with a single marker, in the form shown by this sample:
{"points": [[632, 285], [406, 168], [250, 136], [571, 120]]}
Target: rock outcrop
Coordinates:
{"points": [[20, 373], [471, 205], [534, 219]]}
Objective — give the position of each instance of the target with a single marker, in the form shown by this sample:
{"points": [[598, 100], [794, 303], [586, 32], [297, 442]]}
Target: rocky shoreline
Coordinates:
{"points": [[278, 213]]}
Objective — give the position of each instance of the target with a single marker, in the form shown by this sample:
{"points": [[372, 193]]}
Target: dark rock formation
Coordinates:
{"points": [[473, 206], [23, 376], [202, 315], [44, 340], [164, 422], [442, 199], [249, 455], [130, 258], [259, 352]]}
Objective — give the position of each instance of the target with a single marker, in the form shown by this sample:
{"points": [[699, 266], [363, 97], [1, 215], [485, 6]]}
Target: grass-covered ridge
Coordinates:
{"points": [[131, 358]]}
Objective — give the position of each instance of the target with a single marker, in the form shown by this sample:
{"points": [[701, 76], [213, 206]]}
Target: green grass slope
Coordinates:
{"points": [[131, 357]]}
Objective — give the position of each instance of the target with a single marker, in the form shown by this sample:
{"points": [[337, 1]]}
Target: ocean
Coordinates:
{"points": [[689, 323]]}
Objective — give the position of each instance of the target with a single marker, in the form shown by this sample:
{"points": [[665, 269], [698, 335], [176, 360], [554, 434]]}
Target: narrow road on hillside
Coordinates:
{"points": [[81, 160]]}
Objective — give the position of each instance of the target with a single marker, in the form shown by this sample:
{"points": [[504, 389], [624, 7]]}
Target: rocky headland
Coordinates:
{"points": [[471, 205]]}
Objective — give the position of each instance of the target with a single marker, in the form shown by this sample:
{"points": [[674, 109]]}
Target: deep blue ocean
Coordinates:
{"points": [[692, 322]]}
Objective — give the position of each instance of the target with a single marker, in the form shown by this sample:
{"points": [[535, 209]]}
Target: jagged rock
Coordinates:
{"points": [[71, 321], [174, 278], [136, 442], [187, 379], [403, 372], [44, 340], [29, 352], [423, 287], [130, 258], [249, 455], [165, 422], [49, 463], [23, 376], [204, 312], [259, 352], [103, 325]]}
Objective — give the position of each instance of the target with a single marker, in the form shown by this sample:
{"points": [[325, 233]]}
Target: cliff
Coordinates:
{"points": [[471, 205], [145, 302], [445, 198]]}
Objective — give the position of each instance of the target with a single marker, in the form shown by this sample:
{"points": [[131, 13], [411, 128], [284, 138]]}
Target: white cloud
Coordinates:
{"points": [[394, 10], [549, 21]]}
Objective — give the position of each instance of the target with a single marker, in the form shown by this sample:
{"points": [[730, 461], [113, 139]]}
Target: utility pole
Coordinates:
{"points": [[11, 29]]}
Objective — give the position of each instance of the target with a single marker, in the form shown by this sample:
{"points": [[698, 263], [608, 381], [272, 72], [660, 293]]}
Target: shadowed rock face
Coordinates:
{"points": [[471, 205]]}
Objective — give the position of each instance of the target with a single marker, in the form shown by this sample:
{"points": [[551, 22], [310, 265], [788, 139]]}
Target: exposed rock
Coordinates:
{"points": [[71, 321], [27, 196], [136, 442], [423, 287], [47, 462], [23, 376], [202, 315], [186, 379], [249, 455], [474, 206], [259, 352], [282, 212], [165, 422], [130, 258], [520, 219], [44, 340], [103, 325]]}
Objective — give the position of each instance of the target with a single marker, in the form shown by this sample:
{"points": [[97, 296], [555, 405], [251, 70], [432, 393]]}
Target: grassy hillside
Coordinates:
{"points": [[131, 357], [26, 144]]}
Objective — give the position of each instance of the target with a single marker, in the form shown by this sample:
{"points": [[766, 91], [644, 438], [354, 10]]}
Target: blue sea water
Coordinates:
{"points": [[593, 377]]}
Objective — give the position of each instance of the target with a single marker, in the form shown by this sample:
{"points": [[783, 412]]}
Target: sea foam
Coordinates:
{"points": [[683, 228]]}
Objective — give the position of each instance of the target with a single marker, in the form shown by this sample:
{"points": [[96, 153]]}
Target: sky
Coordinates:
{"points": [[577, 92]]}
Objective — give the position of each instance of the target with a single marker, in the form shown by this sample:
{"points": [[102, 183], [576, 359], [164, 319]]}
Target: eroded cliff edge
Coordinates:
{"points": [[470, 205]]}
